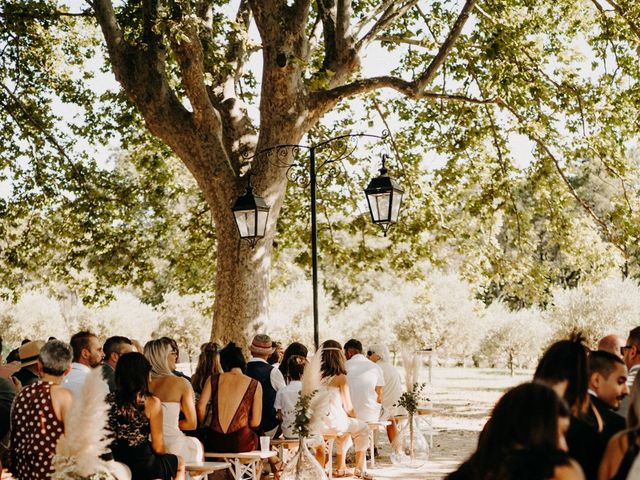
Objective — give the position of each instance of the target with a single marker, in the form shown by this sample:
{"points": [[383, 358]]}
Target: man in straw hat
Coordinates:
{"points": [[28, 353], [257, 367]]}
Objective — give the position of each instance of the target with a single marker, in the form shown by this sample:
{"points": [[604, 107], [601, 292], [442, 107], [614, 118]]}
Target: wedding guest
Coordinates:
{"points": [[208, 364], [366, 382], [287, 397], [341, 418], [379, 354], [296, 349], [113, 349], [176, 395], [276, 357], [135, 418], [523, 439], [28, 354], [259, 369], [87, 354], [564, 367], [236, 405], [39, 414], [174, 347]]}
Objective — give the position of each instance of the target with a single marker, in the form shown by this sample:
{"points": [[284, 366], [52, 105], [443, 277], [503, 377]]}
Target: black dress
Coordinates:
{"points": [[131, 446]]}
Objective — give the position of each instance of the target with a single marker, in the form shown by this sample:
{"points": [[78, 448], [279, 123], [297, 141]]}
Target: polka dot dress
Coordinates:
{"points": [[35, 431]]}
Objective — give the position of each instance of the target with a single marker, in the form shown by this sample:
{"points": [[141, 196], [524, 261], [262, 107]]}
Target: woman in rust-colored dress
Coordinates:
{"points": [[236, 406]]}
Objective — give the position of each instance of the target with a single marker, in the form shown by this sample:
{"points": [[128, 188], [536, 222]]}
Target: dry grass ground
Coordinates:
{"points": [[463, 398]]}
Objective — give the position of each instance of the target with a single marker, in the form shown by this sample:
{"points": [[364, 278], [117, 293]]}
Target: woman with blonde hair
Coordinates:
{"points": [[176, 395], [341, 418], [623, 448]]}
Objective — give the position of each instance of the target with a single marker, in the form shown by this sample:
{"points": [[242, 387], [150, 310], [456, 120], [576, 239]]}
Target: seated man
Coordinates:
{"points": [[113, 349], [365, 380], [39, 412], [607, 388], [87, 354]]}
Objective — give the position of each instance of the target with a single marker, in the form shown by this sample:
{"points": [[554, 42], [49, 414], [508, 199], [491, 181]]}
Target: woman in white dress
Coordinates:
{"points": [[341, 418], [392, 390], [176, 395]]}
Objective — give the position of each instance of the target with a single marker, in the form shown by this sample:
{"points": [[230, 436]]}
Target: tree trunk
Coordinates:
{"points": [[242, 286]]}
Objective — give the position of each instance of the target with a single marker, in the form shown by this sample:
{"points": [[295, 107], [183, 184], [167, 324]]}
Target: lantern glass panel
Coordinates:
{"points": [[263, 215], [395, 206], [379, 206], [246, 220]]}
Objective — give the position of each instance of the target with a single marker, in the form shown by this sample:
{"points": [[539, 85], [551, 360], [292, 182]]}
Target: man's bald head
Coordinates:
{"points": [[611, 344]]}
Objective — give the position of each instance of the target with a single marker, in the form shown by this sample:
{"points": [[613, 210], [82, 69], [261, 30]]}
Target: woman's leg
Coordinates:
{"points": [[360, 434], [180, 474]]}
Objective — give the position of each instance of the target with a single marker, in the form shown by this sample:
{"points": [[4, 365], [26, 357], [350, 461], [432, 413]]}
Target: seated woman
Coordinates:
{"points": [[176, 396], [341, 418], [523, 439], [623, 448], [564, 367], [236, 406], [135, 418]]}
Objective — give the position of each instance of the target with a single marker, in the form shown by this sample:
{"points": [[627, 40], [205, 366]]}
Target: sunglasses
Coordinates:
{"points": [[626, 347]]}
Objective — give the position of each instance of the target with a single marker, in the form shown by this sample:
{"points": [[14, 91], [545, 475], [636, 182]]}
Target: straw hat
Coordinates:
{"points": [[29, 352], [262, 344]]}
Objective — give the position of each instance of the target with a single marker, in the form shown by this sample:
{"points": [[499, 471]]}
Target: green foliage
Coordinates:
{"points": [[410, 400], [507, 192]]}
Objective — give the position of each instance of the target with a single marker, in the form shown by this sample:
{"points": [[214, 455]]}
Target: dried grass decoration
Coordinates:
{"points": [[86, 438]]}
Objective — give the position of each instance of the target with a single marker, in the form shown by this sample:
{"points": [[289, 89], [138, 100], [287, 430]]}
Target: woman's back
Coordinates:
{"points": [[232, 397]]}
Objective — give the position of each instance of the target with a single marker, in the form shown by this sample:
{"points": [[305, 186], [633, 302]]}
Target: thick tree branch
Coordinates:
{"points": [[415, 89], [191, 62], [141, 72], [405, 87], [429, 74]]}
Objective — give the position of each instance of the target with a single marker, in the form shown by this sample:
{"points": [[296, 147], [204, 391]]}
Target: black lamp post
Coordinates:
{"points": [[384, 196], [251, 213]]}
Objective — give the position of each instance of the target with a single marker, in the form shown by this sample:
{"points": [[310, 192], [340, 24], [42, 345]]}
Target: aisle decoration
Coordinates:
{"points": [[311, 408], [410, 447], [86, 439]]}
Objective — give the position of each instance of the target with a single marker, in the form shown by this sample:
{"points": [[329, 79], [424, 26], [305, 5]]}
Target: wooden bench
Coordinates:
{"points": [[244, 465], [195, 469]]}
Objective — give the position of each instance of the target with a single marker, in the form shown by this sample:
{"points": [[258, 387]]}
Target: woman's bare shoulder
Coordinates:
{"points": [[571, 471]]}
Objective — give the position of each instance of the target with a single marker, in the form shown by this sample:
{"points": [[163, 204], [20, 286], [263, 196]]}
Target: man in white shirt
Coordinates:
{"points": [[87, 354], [287, 397], [365, 380]]}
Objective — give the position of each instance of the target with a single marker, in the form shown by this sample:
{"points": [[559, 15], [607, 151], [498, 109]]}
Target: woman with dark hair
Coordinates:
{"points": [[135, 418], [523, 440], [236, 405], [564, 367], [341, 418], [295, 349]]}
